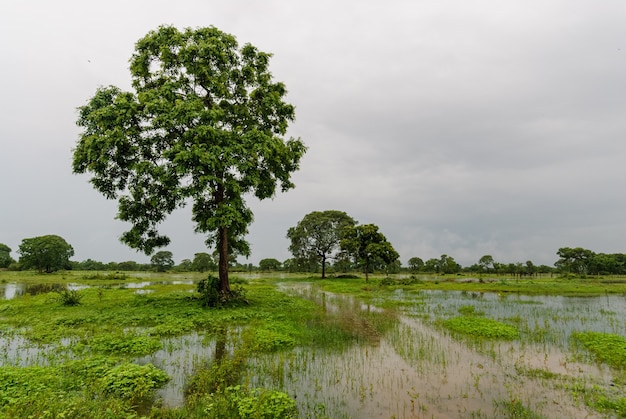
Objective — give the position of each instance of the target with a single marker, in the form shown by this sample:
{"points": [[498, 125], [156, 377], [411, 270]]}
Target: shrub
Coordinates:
{"points": [[211, 296], [238, 402], [70, 297]]}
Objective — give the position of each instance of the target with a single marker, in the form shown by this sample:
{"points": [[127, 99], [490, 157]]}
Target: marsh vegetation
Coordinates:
{"points": [[143, 345]]}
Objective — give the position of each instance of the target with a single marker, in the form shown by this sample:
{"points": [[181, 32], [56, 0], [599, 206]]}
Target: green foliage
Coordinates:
{"points": [[261, 404], [317, 236], [69, 297], [368, 247], [481, 327], [212, 296], [605, 347], [514, 409], [132, 381], [204, 123], [127, 345], [269, 264], [45, 253], [162, 261], [271, 337], [94, 388], [203, 262], [5, 256], [470, 310]]}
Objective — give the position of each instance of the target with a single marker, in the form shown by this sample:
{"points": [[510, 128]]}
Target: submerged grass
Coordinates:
{"points": [[85, 362], [605, 347], [481, 327]]}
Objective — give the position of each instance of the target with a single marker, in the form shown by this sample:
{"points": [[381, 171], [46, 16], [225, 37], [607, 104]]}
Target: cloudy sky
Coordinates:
{"points": [[459, 127]]}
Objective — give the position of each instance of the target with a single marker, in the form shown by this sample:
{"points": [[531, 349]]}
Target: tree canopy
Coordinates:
{"points": [[5, 256], [162, 260], [45, 253], [205, 123], [368, 246], [317, 236]]}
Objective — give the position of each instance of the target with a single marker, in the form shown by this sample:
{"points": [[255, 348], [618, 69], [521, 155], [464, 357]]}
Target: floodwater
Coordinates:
{"points": [[416, 369]]}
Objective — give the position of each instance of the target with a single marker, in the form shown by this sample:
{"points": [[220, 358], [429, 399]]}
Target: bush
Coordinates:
{"points": [[238, 402], [211, 296], [70, 297]]}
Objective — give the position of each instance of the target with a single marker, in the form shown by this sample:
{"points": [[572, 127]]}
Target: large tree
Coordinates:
{"points": [[368, 247], [204, 123], [317, 236], [45, 253]]}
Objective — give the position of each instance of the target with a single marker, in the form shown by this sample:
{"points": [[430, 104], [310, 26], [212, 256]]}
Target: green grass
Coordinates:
{"points": [[481, 327], [605, 347]]}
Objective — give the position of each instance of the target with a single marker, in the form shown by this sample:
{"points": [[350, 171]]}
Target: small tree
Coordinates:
{"points": [[45, 253], [5, 256], [204, 124], [317, 236], [367, 246], [162, 261]]}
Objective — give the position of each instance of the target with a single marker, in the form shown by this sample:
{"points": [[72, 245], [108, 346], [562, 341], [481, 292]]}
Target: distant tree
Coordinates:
{"points": [[185, 265], [5, 256], [204, 124], [367, 246], [432, 265], [203, 262], [416, 264], [128, 265], [45, 253], [530, 268], [574, 260], [317, 236], [90, 265], [269, 264], [162, 260], [448, 265], [486, 262]]}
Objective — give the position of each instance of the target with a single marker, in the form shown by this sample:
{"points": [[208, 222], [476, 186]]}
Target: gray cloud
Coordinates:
{"points": [[464, 128]]}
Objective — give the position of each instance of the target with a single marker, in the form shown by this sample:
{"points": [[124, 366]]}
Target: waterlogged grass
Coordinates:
{"points": [[83, 355], [338, 348], [605, 347], [98, 388], [481, 327], [515, 409]]}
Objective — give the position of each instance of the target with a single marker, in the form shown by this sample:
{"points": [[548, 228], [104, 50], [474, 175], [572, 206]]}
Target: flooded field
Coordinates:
{"points": [[404, 360]]}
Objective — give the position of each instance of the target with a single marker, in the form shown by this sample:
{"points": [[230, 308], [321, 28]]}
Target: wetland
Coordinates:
{"points": [[143, 346]]}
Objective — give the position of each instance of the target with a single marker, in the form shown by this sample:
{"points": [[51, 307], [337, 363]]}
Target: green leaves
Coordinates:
{"points": [[204, 123], [45, 253], [368, 246]]}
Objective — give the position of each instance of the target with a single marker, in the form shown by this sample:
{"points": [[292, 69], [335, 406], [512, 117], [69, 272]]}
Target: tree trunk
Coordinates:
{"points": [[222, 245], [323, 266], [223, 261]]}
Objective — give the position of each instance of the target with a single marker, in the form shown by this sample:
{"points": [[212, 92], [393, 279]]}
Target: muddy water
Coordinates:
{"points": [[420, 371]]}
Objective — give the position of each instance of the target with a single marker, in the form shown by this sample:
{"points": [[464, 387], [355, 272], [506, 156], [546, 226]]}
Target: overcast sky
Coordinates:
{"points": [[459, 127]]}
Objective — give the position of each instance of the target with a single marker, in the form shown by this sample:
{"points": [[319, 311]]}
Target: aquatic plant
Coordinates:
{"points": [[481, 327], [605, 347]]}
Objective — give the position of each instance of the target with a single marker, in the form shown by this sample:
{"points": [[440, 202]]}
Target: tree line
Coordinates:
{"points": [[323, 242]]}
